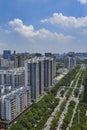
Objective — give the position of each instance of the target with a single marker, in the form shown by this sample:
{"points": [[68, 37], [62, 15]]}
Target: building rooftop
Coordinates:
{"points": [[37, 59], [11, 94], [13, 71]]}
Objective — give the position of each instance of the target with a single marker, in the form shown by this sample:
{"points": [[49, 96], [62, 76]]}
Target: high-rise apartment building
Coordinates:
{"points": [[41, 76], [48, 72], [54, 62], [69, 62], [38, 75], [10, 107], [19, 60], [14, 103], [7, 54], [54, 65], [13, 77], [32, 76]]}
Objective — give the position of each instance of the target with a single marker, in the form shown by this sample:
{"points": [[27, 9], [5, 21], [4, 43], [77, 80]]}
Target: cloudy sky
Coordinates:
{"points": [[43, 25]]}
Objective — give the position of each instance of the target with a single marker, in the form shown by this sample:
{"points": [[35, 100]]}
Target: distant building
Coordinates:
{"points": [[7, 54], [48, 54], [54, 62], [37, 54], [6, 63], [69, 62], [19, 60]]}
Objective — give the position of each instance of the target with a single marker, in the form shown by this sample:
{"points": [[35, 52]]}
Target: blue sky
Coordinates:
{"points": [[43, 25]]}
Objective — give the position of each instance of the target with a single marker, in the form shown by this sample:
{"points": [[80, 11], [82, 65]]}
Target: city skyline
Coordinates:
{"points": [[43, 26]]}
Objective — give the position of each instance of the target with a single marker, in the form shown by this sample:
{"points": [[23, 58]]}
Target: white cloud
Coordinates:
{"points": [[67, 22], [82, 1], [29, 31], [22, 37], [41, 40]]}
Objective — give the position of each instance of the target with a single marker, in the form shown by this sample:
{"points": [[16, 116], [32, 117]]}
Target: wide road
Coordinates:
{"points": [[48, 123], [60, 122]]}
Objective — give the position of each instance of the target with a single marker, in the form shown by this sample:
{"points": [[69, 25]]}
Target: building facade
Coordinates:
{"points": [[69, 62], [7, 54], [14, 103], [13, 77], [19, 60], [48, 73], [39, 75]]}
